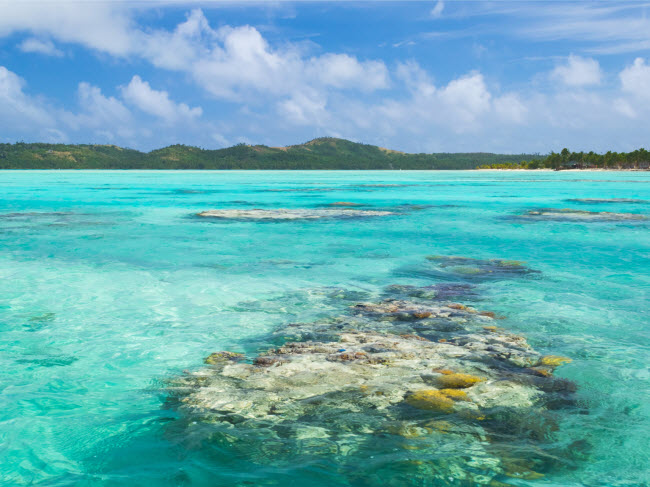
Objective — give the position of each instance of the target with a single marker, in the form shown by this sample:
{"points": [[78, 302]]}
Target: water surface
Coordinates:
{"points": [[109, 286]]}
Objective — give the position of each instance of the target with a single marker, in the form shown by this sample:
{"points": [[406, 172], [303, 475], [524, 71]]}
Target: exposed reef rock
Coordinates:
{"points": [[568, 214], [433, 382], [290, 214]]}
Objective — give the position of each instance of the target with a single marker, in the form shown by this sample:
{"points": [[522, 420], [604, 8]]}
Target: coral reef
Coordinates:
{"points": [[455, 268], [424, 375], [568, 214]]}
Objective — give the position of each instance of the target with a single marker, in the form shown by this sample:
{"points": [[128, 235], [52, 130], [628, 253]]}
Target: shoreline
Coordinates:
{"points": [[314, 170], [566, 170]]}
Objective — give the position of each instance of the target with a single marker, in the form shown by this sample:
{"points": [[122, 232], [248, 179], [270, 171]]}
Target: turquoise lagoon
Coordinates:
{"points": [[109, 286]]}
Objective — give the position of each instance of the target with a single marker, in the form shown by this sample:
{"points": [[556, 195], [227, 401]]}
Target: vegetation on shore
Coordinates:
{"points": [[322, 153], [638, 159]]}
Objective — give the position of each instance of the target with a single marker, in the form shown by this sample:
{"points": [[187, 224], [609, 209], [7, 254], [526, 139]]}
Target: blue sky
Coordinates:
{"points": [[441, 76]]}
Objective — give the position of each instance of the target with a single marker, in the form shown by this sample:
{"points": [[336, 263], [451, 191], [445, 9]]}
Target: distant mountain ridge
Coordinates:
{"points": [[320, 153]]}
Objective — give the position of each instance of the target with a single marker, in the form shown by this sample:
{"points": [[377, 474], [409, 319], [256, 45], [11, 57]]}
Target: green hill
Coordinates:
{"points": [[322, 153]]}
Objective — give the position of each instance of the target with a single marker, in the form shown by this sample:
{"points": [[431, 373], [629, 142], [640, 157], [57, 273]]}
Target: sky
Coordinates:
{"points": [[439, 76]]}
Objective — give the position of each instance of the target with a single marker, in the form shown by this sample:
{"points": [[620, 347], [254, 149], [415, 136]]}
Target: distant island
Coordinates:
{"points": [[321, 153]]}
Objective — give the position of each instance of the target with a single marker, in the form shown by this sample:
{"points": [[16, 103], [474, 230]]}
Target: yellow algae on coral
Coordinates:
{"points": [[519, 469], [457, 381], [406, 430], [223, 357], [491, 328], [468, 270], [443, 371], [430, 399], [496, 483], [455, 394], [440, 426], [408, 446], [541, 371], [554, 360], [421, 315], [472, 415]]}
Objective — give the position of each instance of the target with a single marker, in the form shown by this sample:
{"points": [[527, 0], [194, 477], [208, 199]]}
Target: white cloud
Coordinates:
{"points": [[157, 103], [466, 98], [179, 49], [510, 108], [578, 71], [415, 78], [344, 71], [624, 107], [635, 79], [40, 46], [304, 108], [19, 110], [610, 28], [106, 115], [460, 106], [242, 65], [100, 26], [232, 63], [332, 92], [437, 10]]}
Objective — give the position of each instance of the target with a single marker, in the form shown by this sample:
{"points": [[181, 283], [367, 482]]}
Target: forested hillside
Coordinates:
{"points": [[322, 153]]}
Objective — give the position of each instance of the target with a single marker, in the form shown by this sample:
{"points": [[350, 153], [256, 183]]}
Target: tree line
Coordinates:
{"points": [[565, 159]]}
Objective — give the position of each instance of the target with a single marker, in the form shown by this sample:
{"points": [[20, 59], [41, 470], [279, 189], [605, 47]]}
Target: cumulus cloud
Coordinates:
{"points": [[457, 106], [466, 98], [40, 46], [578, 71], [344, 71], [140, 94], [100, 108], [635, 79], [20, 110], [510, 108], [105, 116], [230, 63], [100, 26], [179, 49], [325, 93], [304, 108], [242, 64]]}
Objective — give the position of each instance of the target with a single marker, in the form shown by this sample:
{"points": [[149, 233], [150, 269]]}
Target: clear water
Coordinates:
{"points": [[108, 286]]}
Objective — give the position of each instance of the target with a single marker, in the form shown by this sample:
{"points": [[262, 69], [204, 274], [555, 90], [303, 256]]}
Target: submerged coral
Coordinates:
{"points": [[442, 291], [344, 203], [455, 268], [425, 376], [290, 214], [568, 214], [607, 200]]}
